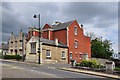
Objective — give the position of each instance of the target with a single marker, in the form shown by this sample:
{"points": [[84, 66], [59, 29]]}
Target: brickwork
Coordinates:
{"points": [[67, 36], [82, 41]]}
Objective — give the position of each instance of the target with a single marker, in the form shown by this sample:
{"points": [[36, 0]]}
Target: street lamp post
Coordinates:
{"points": [[35, 16]]}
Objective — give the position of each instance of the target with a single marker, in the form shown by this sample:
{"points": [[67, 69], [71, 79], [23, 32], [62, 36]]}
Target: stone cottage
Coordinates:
{"points": [[51, 51]]}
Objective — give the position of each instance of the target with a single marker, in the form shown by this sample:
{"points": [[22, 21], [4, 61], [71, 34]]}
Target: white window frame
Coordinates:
{"points": [[70, 55], [76, 44], [46, 54], [80, 55], [85, 55], [62, 54], [32, 51], [75, 30]]}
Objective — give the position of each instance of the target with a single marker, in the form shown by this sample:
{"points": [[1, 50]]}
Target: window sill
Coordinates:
{"points": [[48, 57], [32, 53], [63, 58]]}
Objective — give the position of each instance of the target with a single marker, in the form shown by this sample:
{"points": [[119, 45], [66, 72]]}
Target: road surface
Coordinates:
{"points": [[19, 70]]}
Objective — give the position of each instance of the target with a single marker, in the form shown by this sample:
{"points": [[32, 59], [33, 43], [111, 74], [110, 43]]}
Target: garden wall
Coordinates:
{"points": [[99, 60]]}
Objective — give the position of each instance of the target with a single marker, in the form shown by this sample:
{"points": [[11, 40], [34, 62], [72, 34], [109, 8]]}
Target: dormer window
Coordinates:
{"points": [[75, 30]]}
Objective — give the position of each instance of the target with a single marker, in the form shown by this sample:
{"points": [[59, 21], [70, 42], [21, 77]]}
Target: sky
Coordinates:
{"points": [[101, 18]]}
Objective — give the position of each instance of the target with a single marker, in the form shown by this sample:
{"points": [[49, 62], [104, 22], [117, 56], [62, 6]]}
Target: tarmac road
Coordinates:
{"points": [[19, 70]]}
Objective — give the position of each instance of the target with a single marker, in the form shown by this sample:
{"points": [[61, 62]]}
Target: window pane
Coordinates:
{"points": [[79, 56], [71, 55], [63, 54], [75, 30], [76, 55], [75, 43], [33, 47], [48, 53]]}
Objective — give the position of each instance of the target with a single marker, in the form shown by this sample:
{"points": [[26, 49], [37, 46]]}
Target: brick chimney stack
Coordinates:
{"points": [[3, 43], [57, 23]]}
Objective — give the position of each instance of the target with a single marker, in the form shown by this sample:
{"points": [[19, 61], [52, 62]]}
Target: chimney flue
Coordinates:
{"points": [[56, 41], [81, 26]]}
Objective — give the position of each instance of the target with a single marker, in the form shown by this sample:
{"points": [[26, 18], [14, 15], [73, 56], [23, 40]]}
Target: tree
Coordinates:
{"points": [[91, 35], [36, 28], [101, 48], [97, 50], [118, 52], [107, 44]]}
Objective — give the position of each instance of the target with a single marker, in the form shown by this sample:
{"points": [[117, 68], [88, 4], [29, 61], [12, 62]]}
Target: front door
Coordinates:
{"points": [[15, 52]]}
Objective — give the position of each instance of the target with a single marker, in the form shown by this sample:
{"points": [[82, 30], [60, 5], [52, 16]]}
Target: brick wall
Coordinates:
{"points": [[61, 35], [82, 41]]}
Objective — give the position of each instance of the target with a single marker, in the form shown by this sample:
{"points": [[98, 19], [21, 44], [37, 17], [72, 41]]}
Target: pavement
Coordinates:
{"points": [[46, 70], [91, 73]]}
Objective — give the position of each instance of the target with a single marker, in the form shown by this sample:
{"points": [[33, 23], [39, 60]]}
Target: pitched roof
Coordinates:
{"points": [[26, 35], [61, 25], [51, 42], [16, 36], [4, 47]]}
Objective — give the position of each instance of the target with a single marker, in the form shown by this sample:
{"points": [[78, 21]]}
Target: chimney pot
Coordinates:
{"points": [[81, 26], [3, 44]]}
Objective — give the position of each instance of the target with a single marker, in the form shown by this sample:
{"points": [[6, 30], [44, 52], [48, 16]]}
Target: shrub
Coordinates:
{"points": [[18, 57], [90, 63], [84, 63], [78, 64], [117, 68], [1, 54]]}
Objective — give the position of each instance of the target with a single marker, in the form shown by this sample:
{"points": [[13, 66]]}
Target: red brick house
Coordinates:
{"points": [[70, 34]]}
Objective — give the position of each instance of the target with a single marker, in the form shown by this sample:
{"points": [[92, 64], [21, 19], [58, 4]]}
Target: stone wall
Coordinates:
{"points": [[56, 53], [17, 42], [99, 60]]}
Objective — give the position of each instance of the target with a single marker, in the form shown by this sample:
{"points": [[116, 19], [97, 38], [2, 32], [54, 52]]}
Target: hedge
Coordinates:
{"points": [[1, 54], [18, 57], [90, 63], [117, 68]]}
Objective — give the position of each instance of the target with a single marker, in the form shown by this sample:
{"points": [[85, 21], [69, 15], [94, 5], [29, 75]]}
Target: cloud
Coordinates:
{"points": [[98, 17]]}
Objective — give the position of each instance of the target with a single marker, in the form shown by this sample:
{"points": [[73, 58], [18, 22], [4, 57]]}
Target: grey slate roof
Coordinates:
{"points": [[51, 42], [4, 47], [61, 25]]}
